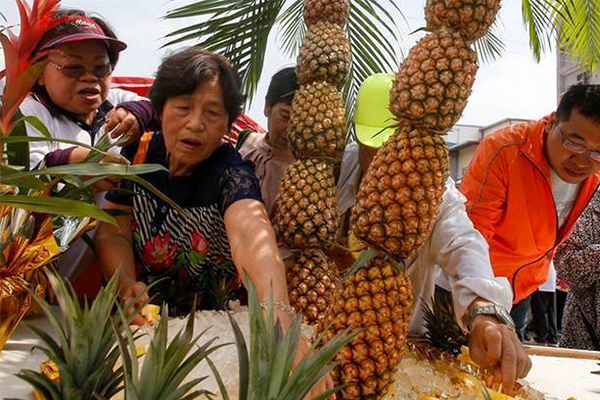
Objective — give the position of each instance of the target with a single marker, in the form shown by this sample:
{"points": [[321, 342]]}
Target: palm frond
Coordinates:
{"points": [[240, 29], [237, 29], [490, 47], [539, 17], [579, 32]]}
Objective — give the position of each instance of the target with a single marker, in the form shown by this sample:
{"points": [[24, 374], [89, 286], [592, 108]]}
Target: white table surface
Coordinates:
{"points": [[558, 378]]}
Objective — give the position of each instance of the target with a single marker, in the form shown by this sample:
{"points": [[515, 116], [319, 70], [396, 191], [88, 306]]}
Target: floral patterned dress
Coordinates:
{"points": [[577, 264], [187, 257]]}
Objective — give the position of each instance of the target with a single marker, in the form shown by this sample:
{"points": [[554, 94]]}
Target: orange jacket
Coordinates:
{"points": [[509, 200]]}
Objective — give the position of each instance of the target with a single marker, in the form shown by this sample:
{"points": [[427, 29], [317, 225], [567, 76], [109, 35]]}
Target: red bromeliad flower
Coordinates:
{"points": [[159, 253], [199, 243], [22, 70]]}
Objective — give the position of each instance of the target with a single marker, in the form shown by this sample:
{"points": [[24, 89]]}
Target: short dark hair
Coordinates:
{"points": [[283, 87], [66, 28], [584, 99], [183, 71]]}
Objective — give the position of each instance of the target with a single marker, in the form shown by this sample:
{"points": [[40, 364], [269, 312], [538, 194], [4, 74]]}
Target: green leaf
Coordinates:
{"points": [[27, 182], [57, 206], [579, 32], [240, 29]]}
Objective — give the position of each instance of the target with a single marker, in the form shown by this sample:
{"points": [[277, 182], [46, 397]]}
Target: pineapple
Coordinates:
{"points": [[378, 300], [166, 364], [85, 354], [435, 81], [266, 367], [312, 284], [333, 11], [471, 18], [324, 55], [307, 211], [397, 201], [317, 126]]}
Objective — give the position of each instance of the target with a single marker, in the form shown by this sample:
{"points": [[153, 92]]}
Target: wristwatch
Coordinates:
{"points": [[494, 310]]}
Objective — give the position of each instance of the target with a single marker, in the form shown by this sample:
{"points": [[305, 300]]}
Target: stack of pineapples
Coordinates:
{"points": [[398, 198], [307, 211]]}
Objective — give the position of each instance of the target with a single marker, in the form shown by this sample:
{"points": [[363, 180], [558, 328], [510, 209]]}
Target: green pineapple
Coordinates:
{"points": [[266, 370], [166, 365], [85, 352], [443, 331]]}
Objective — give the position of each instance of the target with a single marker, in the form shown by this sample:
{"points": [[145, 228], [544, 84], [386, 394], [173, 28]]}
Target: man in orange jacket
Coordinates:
{"points": [[528, 184]]}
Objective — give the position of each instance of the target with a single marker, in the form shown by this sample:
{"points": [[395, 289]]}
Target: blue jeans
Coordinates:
{"points": [[519, 315]]}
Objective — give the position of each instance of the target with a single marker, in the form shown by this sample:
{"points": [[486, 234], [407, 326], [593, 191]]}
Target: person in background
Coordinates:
{"points": [[454, 245], [271, 153], [527, 186], [72, 98], [201, 251], [543, 309], [578, 264]]}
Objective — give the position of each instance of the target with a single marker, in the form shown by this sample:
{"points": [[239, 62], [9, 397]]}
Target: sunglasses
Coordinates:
{"points": [[77, 70]]}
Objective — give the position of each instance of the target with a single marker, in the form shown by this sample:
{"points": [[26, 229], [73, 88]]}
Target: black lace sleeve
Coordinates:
{"points": [[238, 182]]}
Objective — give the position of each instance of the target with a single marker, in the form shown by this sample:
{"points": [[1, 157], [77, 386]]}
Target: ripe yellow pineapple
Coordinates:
{"points": [[313, 284], [317, 126], [334, 11], [307, 210], [324, 55], [397, 201], [435, 81], [377, 299], [471, 18]]}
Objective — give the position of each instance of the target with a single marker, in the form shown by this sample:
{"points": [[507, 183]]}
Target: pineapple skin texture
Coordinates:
{"points": [[313, 284], [433, 84], [332, 11], [397, 202], [378, 300], [317, 127], [324, 55], [471, 18], [307, 215]]}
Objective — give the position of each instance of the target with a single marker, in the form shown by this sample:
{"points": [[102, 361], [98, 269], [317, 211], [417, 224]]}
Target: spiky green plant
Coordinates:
{"points": [[443, 331], [166, 365], [85, 350], [266, 369]]}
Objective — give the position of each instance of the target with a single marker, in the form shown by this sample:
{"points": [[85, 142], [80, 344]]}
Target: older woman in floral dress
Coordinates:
{"points": [[577, 262]]}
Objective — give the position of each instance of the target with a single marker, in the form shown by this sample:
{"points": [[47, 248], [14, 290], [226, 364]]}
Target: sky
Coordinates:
{"points": [[514, 86]]}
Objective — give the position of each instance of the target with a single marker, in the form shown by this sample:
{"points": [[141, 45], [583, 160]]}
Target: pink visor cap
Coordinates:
{"points": [[83, 28]]}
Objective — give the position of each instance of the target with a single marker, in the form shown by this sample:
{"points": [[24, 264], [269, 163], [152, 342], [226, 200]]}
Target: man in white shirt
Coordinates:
{"points": [[481, 302]]}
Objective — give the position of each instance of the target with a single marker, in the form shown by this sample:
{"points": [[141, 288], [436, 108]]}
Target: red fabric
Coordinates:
{"points": [[141, 86], [137, 84], [509, 200]]}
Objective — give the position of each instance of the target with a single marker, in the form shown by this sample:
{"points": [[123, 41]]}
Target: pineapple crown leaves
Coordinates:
{"points": [[166, 364], [85, 352], [442, 330], [266, 370], [367, 256]]}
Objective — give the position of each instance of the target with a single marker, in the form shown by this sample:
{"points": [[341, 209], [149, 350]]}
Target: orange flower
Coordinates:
{"points": [[22, 70]]}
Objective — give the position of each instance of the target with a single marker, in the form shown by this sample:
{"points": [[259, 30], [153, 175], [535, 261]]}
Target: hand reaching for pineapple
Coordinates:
{"points": [[495, 346], [133, 296]]}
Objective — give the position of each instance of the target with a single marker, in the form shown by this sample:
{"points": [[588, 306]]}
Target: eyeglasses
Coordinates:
{"points": [[577, 148], [77, 70]]}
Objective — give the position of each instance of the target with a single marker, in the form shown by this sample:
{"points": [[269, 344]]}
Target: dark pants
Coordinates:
{"points": [[519, 315], [543, 308], [561, 299]]}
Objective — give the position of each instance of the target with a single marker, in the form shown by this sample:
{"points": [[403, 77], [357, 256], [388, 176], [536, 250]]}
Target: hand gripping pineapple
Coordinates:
{"points": [[453, 244]]}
